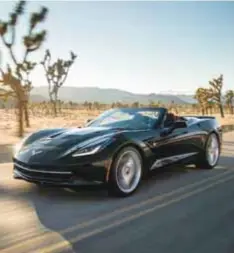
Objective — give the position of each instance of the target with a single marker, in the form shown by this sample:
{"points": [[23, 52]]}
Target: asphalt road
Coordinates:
{"points": [[176, 211]]}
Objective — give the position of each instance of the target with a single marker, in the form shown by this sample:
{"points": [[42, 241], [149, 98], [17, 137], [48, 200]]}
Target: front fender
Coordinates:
{"points": [[122, 143]]}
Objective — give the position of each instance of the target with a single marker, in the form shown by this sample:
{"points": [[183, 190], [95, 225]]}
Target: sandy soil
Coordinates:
{"points": [[68, 118]]}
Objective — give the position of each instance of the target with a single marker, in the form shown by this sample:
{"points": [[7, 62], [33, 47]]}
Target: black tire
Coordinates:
{"points": [[203, 160], [114, 185]]}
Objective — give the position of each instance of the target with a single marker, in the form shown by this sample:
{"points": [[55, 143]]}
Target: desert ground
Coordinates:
{"points": [[68, 118]]}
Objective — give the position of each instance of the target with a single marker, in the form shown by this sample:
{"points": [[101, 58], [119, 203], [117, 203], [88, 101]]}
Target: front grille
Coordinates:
{"points": [[43, 174]]}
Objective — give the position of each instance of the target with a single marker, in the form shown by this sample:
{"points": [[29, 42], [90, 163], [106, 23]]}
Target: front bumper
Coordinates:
{"points": [[66, 176]]}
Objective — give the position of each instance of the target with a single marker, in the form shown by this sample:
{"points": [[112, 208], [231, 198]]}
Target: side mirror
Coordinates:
{"points": [[179, 124], [88, 120]]}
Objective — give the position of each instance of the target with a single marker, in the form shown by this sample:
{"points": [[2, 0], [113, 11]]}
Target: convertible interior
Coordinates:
{"points": [[170, 119]]}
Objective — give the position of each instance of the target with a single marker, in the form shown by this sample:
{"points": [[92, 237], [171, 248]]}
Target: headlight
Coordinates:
{"points": [[89, 147], [87, 151], [17, 148]]}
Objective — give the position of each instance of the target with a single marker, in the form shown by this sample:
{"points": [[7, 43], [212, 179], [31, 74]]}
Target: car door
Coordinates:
{"points": [[172, 147]]}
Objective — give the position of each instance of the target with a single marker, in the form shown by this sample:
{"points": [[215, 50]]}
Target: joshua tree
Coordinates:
{"points": [[136, 104], [96, 105], [56, 74], [203, 96], [17, 74], [229, 100], [216, 91]]}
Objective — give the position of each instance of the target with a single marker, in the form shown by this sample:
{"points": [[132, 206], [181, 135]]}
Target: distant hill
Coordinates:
{"points": [[91, 94]]}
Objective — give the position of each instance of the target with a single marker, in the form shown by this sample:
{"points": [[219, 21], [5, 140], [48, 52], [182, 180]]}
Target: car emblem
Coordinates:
{"points": [[35, 152]]}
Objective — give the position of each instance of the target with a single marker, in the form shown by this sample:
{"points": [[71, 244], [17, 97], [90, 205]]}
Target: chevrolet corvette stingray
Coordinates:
{"points": [[117, 148]]}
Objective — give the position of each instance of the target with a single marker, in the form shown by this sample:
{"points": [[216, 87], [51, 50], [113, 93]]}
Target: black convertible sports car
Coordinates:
{"points": [[118, 148]]}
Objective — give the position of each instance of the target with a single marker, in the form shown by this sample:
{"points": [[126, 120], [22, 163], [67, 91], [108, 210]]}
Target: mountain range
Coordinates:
{"points": [[91, 94]]}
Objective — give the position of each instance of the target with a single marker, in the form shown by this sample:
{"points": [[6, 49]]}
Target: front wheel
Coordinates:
{"points": [[126, 172], [210, 157]]}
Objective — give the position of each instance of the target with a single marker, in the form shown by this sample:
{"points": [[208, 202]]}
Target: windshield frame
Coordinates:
{"points": [[95, 122]]}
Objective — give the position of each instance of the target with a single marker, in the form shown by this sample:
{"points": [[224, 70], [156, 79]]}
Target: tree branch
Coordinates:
{"points": [[64, 79], [27, 50], [13, 35], [13, 56], [9, 46]]}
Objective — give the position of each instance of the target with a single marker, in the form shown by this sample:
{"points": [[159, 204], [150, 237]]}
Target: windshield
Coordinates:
{"points": [[127, 118]]}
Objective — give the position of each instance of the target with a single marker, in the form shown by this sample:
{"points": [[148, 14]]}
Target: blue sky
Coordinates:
{"points": [[142, 47]]}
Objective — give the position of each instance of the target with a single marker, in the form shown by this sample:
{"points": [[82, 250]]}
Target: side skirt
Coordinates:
{"points": [[170, 160]]}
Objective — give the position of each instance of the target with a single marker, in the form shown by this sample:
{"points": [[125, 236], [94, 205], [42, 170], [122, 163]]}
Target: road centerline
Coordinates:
{"points": [[60, 246], [124, 210]]}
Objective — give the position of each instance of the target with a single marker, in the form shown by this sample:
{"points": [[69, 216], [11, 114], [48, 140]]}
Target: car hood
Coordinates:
{"points": [[53, 146], [68, 138]]}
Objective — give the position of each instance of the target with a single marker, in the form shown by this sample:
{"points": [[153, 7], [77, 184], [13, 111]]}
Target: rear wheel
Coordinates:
{"points": [[126, 172], [210, 157]]}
